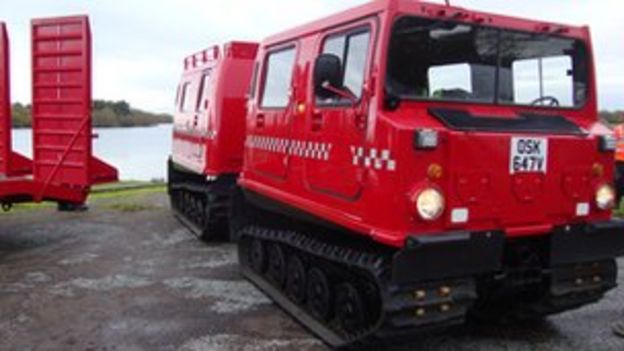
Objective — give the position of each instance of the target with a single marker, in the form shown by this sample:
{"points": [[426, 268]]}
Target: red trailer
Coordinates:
{"points": [[407, 165], [63, 167]]}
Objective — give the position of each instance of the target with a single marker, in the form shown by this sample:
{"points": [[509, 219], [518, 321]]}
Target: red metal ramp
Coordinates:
{"points": [[11, 163], [62, 134], [63, 167]]}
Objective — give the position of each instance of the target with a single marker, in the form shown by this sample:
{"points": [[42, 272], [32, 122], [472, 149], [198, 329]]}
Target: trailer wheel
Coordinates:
{"points": [[7, 206], [296, 280], [319, 294]]}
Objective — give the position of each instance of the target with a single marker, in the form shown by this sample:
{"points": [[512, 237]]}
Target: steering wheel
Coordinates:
{"points": [[546, 101]]}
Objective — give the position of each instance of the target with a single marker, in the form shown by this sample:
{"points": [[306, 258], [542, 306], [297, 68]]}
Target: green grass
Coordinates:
{"points": [[121, 191], [619, 212], [131, 207]]}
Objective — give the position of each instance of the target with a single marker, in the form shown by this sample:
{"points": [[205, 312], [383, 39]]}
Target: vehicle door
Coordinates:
{"points": [[338, 124], [269, 132]]}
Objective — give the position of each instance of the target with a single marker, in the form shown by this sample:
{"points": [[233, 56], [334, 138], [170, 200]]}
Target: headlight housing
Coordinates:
{"points": [[430, 204], [608, 143], [605, 197]]}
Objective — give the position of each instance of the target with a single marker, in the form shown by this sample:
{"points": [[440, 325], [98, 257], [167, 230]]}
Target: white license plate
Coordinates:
{"points": [[528, 155]]}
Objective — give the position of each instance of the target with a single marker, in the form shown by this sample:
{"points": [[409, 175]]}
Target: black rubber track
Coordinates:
{"points": [[388, 310], [203, 213]]}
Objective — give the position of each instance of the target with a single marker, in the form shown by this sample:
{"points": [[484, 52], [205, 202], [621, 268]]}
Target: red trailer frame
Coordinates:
{"points": [[63, 168]]}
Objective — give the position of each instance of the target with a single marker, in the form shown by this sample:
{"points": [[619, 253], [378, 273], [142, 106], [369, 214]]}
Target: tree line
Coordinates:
{"points": [[104, 114], [121, 114]]}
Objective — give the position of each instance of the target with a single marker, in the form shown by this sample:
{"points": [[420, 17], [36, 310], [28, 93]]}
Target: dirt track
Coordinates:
{"points": [[127, 276]]}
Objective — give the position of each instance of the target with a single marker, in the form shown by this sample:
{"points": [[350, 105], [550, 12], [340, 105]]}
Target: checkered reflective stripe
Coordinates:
{"points": [[373, 158], [277, 145], [310, 149], [300, 148]]}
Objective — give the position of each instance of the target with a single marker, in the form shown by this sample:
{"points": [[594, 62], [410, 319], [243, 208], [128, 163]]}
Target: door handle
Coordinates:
{"points": [[359, 118], [317, 121], [260, 120]]}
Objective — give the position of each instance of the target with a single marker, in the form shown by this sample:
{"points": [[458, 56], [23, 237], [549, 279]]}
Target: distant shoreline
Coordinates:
{"points": [[104, 114], [109, 127]]}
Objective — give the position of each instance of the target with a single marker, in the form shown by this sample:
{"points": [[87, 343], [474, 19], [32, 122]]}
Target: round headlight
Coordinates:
{"points": [[605, 197], [430, 204]]}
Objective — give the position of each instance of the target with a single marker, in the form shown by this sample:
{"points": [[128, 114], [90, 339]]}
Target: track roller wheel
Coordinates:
{"points": [[277, 265], [296, 280], [350, 308], [319, 294], [256, 256]]}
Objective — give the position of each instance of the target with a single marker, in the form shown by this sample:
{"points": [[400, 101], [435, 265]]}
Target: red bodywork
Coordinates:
{"points": [[307, 157], [63, 167], [11, 163], [210, 130]]}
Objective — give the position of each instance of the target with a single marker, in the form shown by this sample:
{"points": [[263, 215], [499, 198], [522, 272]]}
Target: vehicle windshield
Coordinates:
{"points": [[449, 61]]}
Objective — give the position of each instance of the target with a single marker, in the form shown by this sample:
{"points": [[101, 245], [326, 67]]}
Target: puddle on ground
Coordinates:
{"points": [[114, 282], [29, 281], [230, 296], [227, 342], [78, 260]]}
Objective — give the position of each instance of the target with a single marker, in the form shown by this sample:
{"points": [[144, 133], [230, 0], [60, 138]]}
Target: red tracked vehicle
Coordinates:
{"points": [[63, 168], [408, 164], [208, 136]]}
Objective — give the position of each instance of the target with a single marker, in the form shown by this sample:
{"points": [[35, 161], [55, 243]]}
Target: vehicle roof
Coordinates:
{"points": [[209, 56], [432, 10]]}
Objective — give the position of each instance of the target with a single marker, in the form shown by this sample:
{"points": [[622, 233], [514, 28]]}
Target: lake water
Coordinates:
{"points": [[138, 153]]}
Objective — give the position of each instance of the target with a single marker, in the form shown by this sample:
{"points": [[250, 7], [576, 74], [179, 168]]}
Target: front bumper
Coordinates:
{"points": [[587, 242], [452, 255], [464, 254]]}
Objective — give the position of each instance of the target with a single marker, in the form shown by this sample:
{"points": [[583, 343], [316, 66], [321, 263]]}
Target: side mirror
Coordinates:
{"points": [[327, 73]]}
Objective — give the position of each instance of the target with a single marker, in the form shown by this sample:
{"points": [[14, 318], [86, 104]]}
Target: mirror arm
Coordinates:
{"points": [[341, 93]]}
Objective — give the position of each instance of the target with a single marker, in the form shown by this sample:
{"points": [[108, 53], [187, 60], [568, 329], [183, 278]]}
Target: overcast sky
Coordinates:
{"points": [[139, 44]]}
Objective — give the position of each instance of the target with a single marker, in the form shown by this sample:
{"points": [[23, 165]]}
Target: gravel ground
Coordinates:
{"points": [[127, 276]]}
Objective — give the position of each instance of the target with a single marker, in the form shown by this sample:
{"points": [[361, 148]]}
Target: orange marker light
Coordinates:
{"points": [[435, 172], [301, 108], [597, 170]]}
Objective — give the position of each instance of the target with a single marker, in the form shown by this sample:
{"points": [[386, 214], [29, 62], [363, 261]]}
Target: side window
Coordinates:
{"points": [[352, 49], [254, 81], [186, 98], [278, 79], [336, 46], [204, 92], [355, 68]]}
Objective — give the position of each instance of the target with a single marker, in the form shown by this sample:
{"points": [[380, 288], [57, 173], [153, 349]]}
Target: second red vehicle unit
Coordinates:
{"points": [[401, 166]]}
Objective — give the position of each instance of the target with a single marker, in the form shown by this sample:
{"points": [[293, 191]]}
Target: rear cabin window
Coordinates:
{"points": [[205, 90], [186, 98], [278, 79], [352, 49], [254, 81], [176, 103]]}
